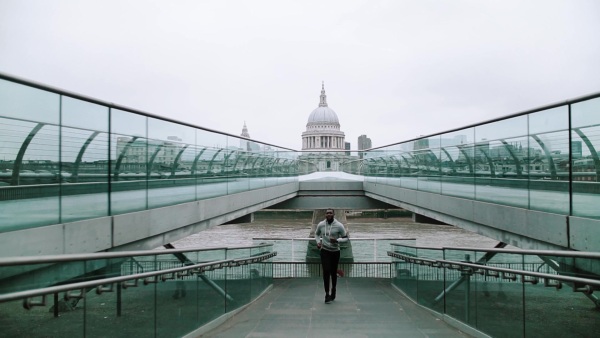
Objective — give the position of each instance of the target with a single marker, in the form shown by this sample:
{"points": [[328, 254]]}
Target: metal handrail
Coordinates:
{"points": [[476, 268], [111, 105], [194, 269], [12, 261], [419, 247], [500, 118], [562, 278], [558, 253], [312, 239]]}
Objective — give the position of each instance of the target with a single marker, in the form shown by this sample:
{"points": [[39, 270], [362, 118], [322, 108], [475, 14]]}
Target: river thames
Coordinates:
{"points": [[298, 228]]}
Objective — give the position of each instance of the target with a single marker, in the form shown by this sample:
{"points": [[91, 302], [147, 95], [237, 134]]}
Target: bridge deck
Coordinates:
{"points": [[363, 308]]}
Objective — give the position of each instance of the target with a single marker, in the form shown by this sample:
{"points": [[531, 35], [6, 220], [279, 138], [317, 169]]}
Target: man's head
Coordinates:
{"points": [[329, 214]]}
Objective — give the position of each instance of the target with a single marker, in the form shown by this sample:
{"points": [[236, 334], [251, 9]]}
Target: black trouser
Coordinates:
{"points": [[329, 262]]}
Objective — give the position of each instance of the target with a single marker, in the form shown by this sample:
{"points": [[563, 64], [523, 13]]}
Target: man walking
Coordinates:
{"points": [[329, 234]]}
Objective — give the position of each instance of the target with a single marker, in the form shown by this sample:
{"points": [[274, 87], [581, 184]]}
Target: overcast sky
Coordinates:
{"points": [[393, 70]]}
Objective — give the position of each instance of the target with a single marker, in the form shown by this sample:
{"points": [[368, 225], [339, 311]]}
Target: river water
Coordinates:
{"points": [[392, 228]]}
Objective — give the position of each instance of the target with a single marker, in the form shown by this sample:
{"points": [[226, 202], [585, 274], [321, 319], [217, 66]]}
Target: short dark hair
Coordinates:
{"points": [[333, 211]]}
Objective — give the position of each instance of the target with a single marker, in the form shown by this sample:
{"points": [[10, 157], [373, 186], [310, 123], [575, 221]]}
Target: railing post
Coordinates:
{"points": [[119, 300], [375, 250], [293, 255], [56, 315], [467, 291]]}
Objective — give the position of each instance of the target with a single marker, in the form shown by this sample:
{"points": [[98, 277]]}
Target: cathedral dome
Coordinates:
{"points": [[323, 115], [323, 128]]}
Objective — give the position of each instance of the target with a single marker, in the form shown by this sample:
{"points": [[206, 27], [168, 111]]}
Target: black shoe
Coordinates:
{"points": [[332, 295], [327, 299]]}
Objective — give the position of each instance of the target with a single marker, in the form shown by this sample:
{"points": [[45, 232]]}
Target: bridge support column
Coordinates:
{"points": [[244, 219], [417, 218]]}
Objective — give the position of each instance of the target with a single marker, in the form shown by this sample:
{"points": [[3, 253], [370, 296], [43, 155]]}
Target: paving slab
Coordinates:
{"points": [[364, 307]]}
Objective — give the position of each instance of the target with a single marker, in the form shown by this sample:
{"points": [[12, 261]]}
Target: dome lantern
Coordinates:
{"points": [[323, 102], [323, 114]]}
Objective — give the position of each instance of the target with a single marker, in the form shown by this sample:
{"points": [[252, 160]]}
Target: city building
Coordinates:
{"points": [[324, 136], [137, 153], [363, 143], [245, 144], [323, 128], [245, 131]]}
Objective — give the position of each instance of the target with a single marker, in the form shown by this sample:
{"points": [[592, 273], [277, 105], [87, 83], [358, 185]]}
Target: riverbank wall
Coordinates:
{"points": [[308, 214]]}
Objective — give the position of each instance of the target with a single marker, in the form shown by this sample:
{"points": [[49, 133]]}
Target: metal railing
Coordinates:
{"points": [[484, 287], [107, 284], [169, 297], [348, 270]]}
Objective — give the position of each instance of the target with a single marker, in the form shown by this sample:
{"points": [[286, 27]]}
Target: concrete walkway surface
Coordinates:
{"points": [[364, 307]]}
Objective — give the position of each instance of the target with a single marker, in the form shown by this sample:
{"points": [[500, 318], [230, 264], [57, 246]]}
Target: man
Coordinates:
{"points": [[329, 234]]}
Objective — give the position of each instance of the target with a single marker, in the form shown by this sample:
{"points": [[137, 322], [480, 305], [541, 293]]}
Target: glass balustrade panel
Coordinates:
{"points": [[548, 160], [84, 165], [261, 273], [29, 175], [119, 309], [129, 161], [409, 178], [499, 296], [40, 320], [29, 156], [382, 246], [456, 154], [426, 153], [22, 102], [585, 144], [237, 279], [430, 280], [169, 178], [396, 168], [548, 300], [405, 274], [35, 276], [210, 165], [237, 178], [507, 139], [178, 304], [461, 288]]}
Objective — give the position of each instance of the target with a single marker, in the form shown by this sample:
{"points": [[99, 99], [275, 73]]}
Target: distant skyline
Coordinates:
{"points": [[393, 70]]}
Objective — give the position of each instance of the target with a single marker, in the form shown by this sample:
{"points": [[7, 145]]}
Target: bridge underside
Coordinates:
{"points": [[332, 193], [523, 228], [311, 202]]}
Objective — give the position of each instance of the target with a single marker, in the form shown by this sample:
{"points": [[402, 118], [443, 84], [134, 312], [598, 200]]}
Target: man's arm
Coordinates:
{"points": [[344, 237], [317, 236]]}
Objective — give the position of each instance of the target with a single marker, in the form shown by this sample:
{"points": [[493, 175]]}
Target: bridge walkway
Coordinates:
{"points": [[364, 307]]}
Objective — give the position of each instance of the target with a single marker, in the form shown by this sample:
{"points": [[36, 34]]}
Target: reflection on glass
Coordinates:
{"points": [[167, 142], [548, 160], [32, 160], [585, 134], [22, 102], [427, 156], [84, 159], [129, 159], [457, 153], [409, 179], [502, 146]]}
